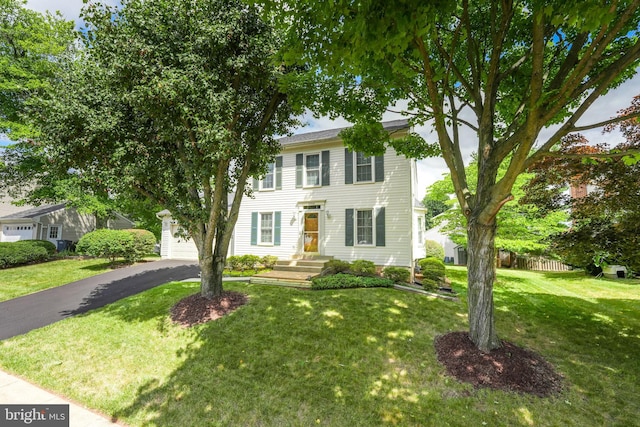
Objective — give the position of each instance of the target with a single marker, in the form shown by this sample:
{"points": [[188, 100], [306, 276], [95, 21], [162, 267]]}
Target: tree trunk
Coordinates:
{"points": [[211, 278], [481, 268]]}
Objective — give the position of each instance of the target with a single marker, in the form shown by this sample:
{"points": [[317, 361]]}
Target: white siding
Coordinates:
{"points": [[394, 194]]}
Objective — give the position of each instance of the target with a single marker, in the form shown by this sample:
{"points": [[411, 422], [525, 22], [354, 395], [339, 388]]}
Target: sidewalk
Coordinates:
{"points": [[13, 390]]}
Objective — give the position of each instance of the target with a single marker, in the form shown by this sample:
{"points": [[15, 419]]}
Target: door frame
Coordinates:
{"points": [[307, 207]]}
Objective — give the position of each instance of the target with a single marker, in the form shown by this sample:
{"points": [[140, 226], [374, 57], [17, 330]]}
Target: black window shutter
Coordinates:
{"points": [[279, 173], [299, 167], [379, 168], [348, 227], [380, 231], [348, 166], [325, 167]]}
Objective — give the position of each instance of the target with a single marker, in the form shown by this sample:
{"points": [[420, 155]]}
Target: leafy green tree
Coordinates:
{"points": [[177, 102], [523, 227], [605, 221], [31, 45], [505, 70]]}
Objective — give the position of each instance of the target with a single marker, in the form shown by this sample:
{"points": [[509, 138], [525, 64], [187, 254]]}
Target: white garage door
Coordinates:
{"points": [[13, 233], [182, 248]]}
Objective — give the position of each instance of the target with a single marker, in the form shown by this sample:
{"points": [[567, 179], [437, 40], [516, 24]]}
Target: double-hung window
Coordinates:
{"points": [[364, 168], [312, 163], [266, 228], [268, 182], [364, 227]]}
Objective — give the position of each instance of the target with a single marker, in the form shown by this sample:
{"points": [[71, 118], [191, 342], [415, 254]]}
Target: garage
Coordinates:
{"points": [[15, 232]]}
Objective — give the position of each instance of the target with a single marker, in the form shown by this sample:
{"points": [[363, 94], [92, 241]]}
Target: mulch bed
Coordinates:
{"points": [[195, 309], [509, 368]]}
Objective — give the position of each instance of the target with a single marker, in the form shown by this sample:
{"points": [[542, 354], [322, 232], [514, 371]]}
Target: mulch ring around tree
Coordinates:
{"points": [[196, 309], [509, 368]]}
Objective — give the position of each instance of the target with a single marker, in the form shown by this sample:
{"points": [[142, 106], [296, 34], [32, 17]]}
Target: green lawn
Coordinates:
{"points": [[19, 281], [360, 357]]}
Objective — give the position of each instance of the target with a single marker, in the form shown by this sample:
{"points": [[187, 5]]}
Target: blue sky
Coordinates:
{"points": [[429, 170]]}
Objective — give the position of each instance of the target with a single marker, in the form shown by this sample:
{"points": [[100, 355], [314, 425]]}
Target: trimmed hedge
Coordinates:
{"points": [[269, 261], [345, 281], [397, 274], [144, 243], [24, 252], [106, 243], [132, 244], [335, 266], [432, 269]]}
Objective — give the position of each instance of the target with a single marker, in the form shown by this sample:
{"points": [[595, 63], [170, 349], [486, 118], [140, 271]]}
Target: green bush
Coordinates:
{"points": [[249, 262], [144, 243], [47, 245], [269, 261], [336, 266], [433, 249], [397, 274], [430, 285], [344, 281], [234, 263], [109, 244], [21, 252], [362, 267], [432, 269]]}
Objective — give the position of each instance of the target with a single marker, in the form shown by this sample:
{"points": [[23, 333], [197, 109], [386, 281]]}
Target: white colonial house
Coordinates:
{"points": [[319, 199]]}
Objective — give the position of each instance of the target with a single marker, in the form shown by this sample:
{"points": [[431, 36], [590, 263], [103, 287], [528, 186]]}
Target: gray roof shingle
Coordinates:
{"points": [[322, 135], [34, 212]]}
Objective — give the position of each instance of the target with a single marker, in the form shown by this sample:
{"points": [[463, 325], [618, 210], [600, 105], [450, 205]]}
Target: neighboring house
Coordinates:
{"points": [[320, 199], [453, 253], [49, 222]]}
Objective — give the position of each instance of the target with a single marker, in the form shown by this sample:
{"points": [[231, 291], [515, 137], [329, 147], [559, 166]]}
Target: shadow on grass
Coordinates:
{"points": [[292, 357]]}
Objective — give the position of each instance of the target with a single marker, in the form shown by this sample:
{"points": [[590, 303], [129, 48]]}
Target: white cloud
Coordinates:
{"points": [[70, 9]]}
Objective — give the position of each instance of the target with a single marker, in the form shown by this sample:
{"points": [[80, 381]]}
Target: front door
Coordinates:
{"points": [[311, 232]]}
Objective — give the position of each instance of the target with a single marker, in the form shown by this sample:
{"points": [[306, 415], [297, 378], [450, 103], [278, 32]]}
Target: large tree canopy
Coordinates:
{"points": [[503, 69], [178, 102], [31, 45]]}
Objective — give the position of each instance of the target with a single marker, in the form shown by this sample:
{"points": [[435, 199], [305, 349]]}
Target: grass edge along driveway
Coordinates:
{"points": [[337, 358], [19, 281]]}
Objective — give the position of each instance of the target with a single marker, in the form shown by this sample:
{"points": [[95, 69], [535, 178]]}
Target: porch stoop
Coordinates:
{"points": [[296, 272]]}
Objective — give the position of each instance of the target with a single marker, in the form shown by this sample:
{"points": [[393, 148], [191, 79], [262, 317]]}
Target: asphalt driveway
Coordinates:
{"points": [[23, 314]]}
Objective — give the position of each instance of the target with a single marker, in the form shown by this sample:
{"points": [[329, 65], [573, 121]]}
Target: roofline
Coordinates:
{"points": [[328, 135]]}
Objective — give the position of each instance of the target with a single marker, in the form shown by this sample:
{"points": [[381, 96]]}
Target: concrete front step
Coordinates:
{"points": [[300, 268], [311, 257], [301, 263]]}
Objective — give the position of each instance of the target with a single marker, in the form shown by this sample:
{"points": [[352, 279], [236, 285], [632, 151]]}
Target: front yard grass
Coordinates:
{"points": [[24, 280], [357, 357]]}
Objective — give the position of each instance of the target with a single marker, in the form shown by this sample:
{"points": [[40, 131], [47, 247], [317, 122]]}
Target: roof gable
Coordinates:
{"points": [[330, 134]]}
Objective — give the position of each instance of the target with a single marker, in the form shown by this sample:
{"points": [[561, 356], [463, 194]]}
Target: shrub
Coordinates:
{"points": [[47, 245], [144, 243], [21, 252], [336, 266], [268, 261], [362, 267], [344, 281], [109, 244], [433, 249], [432, 269], [249, 262], [234, 263], [397, 274]]}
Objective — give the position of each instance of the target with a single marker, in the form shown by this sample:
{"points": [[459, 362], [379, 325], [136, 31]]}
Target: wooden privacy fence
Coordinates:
{"points": [[540, 264]]}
